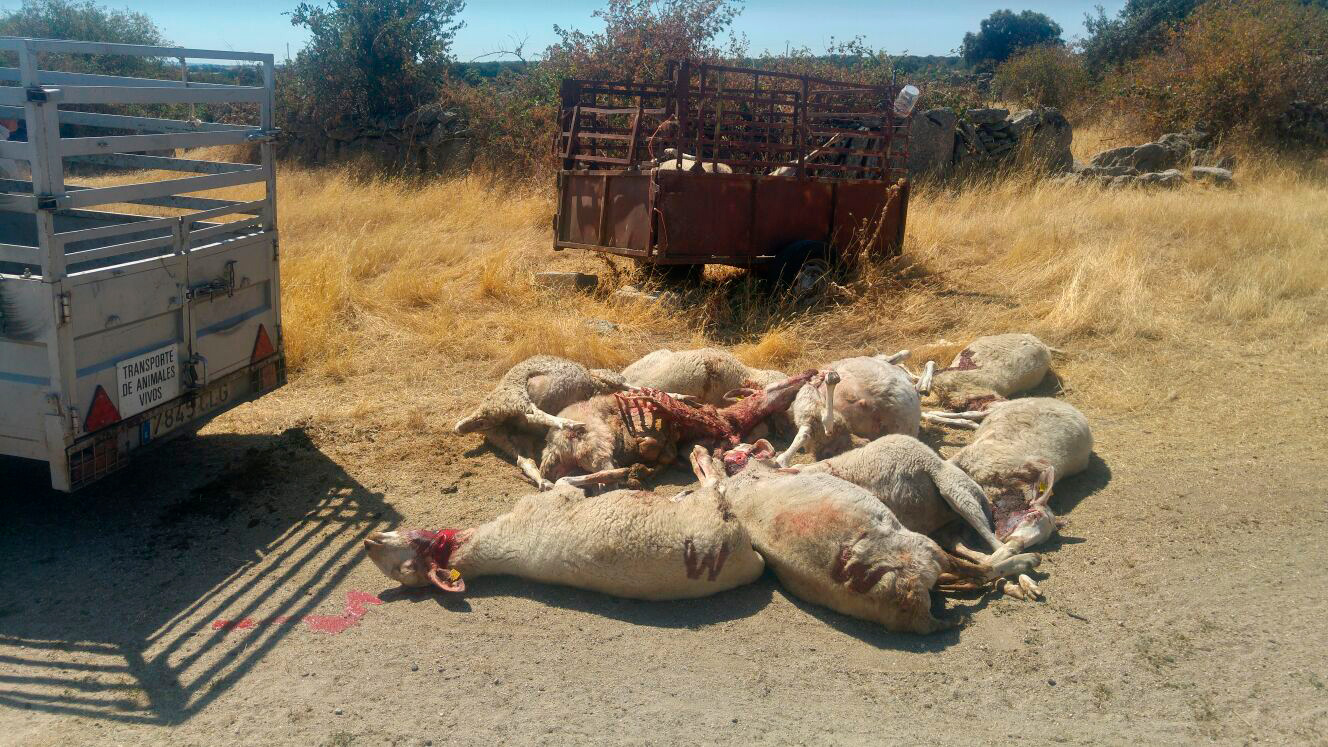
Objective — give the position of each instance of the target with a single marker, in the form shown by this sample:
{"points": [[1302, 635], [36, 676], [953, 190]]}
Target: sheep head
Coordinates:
{"points": [[416, 557], [1023, 528]]}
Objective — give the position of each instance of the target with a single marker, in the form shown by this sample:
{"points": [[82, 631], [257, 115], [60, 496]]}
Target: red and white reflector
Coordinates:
{"points": [[102, 413], [262, 346]]}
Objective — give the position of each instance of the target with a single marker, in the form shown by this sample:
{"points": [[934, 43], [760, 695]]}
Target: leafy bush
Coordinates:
{"points": [[1046, 75], [1005, 32], [1142, 27], [1235, 65], [367, 60], [86, 21]]}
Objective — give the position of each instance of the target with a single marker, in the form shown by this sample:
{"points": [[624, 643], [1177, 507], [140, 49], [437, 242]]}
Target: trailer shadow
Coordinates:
{"points": [[114, 594]]}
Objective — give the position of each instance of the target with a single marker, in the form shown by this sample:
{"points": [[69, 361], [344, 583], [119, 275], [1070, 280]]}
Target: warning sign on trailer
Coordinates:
{"points": [[148, 380]]}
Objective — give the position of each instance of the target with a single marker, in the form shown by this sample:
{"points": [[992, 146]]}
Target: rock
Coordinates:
{"points": [[602, 326], [566, 280], [1142, 158], [1049, 140], [1227, 162], [1121, 182], [1109, 171], [1169, 179], [986, 116], [1025, 119], [1178, 145], [1213, 175], [931, 141]]}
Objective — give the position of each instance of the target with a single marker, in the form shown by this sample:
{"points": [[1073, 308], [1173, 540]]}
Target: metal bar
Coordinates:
{"points": [[607, 111], [20, 254], [223, 228], [79, 146], [620, 137], [59, 78], [600, 159], [149, 95], [136, 50], [71, 237], [166, 187], [115, 250], [160, 163], [16, 149], [18, 202], [254, 207]]}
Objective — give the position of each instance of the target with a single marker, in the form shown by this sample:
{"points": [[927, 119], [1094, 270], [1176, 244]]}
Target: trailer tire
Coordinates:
{"points": [[804, 267]]}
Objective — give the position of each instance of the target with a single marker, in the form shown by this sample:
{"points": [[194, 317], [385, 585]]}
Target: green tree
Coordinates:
{"points": [[368, 60], [1142, 27], [1045, 75], [85, 21], [1005, 32]]}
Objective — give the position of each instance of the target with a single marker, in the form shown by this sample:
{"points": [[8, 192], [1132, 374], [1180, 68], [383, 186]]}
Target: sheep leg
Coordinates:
{"points": [[940, 419], [924, 382], [503, 442], [538, 417], [800, 440], [602, 477], [1022, 588], [895, 358]]}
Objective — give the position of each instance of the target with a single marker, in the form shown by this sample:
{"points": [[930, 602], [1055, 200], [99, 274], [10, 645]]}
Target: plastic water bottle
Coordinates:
{"points": [[907, 99]]}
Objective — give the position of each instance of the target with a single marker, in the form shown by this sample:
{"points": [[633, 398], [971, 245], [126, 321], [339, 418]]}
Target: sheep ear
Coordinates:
{"points": [[1044, 483], [700, 459], [763, 449], [739, 394], [447, 579]]}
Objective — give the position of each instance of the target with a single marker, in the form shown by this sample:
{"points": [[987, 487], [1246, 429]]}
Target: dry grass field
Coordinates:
{"points": [[1185, 602]]}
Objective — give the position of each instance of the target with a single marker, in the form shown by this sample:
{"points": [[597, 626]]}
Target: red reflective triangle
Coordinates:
{"points": [[102, 413], [262, 346]]}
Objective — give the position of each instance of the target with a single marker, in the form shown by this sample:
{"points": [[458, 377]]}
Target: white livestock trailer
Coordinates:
{"points": [[136, 321]]}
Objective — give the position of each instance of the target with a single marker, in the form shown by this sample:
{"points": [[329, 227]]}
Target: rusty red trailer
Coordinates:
{"points": [[780, 166]]}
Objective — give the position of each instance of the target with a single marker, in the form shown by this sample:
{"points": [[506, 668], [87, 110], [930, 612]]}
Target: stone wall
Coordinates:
{"points": [[941, 141], [429, 139]]}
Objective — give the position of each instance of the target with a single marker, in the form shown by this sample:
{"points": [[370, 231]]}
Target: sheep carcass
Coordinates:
{"points": [[833, 543], [515, 415], [922, 490], [873, 397], [673, 161], [991, 369], [1016, 455], [624, 543], [707, 374], [621, 434]]}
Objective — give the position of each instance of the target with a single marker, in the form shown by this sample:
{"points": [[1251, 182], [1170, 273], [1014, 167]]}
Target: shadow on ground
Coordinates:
{"points": [[113, 592]]}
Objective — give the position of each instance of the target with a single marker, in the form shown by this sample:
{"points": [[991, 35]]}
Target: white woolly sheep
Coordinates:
{"points": [[514, 416], [835, 544], [991, 369], [1022, 447], [707, 374], [874, 397], [624, 543], [609, 444]]}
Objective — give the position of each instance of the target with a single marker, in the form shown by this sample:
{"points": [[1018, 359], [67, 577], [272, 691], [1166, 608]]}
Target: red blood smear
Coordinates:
{"points": [[355, 609]]}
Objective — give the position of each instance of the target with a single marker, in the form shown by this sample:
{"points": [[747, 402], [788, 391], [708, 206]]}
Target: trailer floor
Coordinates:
{"points": [[1187, 601]]}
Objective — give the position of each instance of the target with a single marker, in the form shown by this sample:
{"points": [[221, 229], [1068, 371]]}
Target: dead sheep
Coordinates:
{"points": [[1018, 452], [515, 415], [623, 543], [707, 374], [834, 544], [991, 369], [619, 435], [872, 397]]}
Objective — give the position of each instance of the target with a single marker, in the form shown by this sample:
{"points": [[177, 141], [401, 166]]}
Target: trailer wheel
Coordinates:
{"points": [[805, 267]]}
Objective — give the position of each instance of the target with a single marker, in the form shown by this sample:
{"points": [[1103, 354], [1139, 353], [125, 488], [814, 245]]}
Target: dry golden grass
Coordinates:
{"points": [[420, 292]]}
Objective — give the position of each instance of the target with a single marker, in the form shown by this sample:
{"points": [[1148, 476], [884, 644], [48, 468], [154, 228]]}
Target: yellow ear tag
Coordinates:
{"points": [[453, 574]]}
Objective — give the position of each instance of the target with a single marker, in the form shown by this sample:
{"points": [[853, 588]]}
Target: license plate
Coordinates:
{"points": [[171, 417]]}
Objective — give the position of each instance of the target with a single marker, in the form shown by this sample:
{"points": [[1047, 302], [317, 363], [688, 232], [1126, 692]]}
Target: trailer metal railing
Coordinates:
{"points": [[38, 96]]}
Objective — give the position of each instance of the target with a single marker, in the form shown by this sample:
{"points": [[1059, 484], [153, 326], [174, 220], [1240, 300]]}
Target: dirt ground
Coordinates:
{"points": [[1186, 602]]}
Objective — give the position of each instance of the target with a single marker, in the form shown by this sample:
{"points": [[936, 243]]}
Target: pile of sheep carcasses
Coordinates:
{"points": [[870, 527]]}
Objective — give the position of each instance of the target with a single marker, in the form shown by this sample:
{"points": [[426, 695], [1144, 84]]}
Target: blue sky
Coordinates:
{"points": [[916, 27]]}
